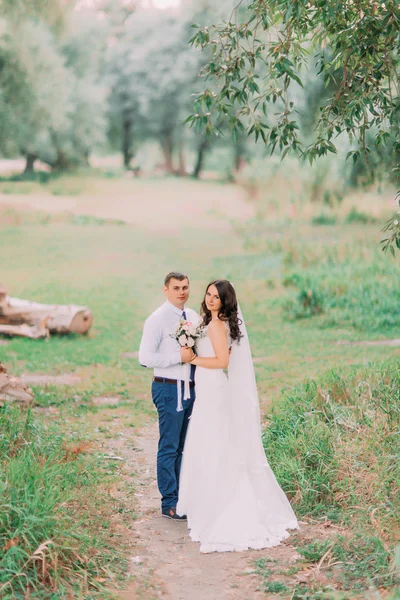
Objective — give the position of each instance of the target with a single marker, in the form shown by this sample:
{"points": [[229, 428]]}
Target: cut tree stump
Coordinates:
{"points": [[56, 318], [12, 388]]}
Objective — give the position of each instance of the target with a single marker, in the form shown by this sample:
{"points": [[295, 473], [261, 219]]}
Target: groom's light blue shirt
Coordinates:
{"points": [[158, 350]]}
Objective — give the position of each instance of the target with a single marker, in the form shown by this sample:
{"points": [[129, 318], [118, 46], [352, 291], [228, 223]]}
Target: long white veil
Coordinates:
{"points": [[273, 506], [244, 396]]}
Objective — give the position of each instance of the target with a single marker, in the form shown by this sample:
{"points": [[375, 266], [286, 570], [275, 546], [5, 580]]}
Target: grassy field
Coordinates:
{"points": [[311, 292]]}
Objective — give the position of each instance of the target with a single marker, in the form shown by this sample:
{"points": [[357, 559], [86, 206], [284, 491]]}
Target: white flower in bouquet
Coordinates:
{"points": [[186, 333], [192, 330], [183, 340]]}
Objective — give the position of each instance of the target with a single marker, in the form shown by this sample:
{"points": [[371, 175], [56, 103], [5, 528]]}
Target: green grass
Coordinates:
{"points": [[355, 567], [358, 289], [348, 466], [334, 446], [50, 547], [330, 441]]}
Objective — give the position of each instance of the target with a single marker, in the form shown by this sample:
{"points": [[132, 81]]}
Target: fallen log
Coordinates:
{"points": [[12, 388], [35, 332], [59, 318]]}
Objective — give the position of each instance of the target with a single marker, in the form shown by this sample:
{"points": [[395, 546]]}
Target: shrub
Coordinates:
{"points": [[357, 216], [308, 303], [324, 219]]}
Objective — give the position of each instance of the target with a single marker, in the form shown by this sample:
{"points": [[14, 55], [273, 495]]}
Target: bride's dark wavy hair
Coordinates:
{"points": [[229, 307]]}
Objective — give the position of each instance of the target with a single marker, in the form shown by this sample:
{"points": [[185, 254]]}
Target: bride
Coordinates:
{"points": [[227, 489]]}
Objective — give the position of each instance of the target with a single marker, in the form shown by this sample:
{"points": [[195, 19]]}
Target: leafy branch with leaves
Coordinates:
{"points": [[260, 54]]}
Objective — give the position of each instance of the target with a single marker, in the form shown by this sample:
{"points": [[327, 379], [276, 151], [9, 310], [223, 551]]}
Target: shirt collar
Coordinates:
{"points": [[176, 310]]}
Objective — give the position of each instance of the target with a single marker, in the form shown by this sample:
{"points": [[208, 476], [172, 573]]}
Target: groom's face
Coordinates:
{"points": [[177, 292]]}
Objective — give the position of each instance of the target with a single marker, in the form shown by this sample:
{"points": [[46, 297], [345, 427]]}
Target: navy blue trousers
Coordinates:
{"points": [[173, 427]]}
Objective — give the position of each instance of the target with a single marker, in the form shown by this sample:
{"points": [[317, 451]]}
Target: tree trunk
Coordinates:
{"points": [[182, 167], [239, 155], [86, 158], [30, 161], [55, 318], [168, 151], [13, 388], [62, 162], [202, 149], [127, 142]]}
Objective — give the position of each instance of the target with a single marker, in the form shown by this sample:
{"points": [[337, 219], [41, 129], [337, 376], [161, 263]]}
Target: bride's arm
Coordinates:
{"points": [[219, 338]]}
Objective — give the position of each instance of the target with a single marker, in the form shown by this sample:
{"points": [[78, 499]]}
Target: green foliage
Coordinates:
{"points": [[308, 303], [43, 477], [274, 587], [363, 296], [360, 562], [314, 551], [331, 444], [324, 219], [91, 220], [307, 463], [357, 216], [53, 12], [40, 176], [151, 71], [366, 560], [358, 285], [255, 70], [52, 104], [259, 54], [391, 239]]}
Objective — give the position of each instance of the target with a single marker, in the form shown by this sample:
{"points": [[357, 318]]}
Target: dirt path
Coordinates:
{"points": [[166, 563]]}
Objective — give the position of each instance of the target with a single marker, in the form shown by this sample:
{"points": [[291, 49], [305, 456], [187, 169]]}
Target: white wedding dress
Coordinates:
{"points": [[227, 489]]}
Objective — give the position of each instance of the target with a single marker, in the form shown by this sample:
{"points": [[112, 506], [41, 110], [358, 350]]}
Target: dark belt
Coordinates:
{"points": [[173, 381]]}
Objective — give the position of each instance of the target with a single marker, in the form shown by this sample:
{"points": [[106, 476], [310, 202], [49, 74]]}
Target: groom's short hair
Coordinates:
{"points": [[175, 275]]}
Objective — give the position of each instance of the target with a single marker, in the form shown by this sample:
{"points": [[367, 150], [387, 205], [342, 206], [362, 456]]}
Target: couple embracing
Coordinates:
{"points": [[211, 466]]}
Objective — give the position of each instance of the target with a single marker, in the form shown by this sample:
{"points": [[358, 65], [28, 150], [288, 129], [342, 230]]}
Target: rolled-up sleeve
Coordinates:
{"points": [[149, 355]]}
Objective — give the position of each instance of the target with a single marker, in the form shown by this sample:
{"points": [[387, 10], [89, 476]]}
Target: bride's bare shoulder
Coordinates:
{"points": [[217, 326]]}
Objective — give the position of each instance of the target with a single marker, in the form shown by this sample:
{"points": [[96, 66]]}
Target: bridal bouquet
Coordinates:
{"points": [[186, 333]]}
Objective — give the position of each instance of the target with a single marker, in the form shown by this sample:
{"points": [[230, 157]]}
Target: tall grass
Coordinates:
{"points": [[356, 287], [334, 445], [47, 548]]}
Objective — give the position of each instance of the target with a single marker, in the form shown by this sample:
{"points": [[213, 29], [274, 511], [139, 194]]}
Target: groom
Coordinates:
{"points": [[159, 351]]}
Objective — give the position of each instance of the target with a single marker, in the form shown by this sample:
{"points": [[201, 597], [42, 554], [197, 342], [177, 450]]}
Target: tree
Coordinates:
{"points": [[83, 47], [51, 106], [259, 54], [151, 72], [52, 12], [35, 89]]}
